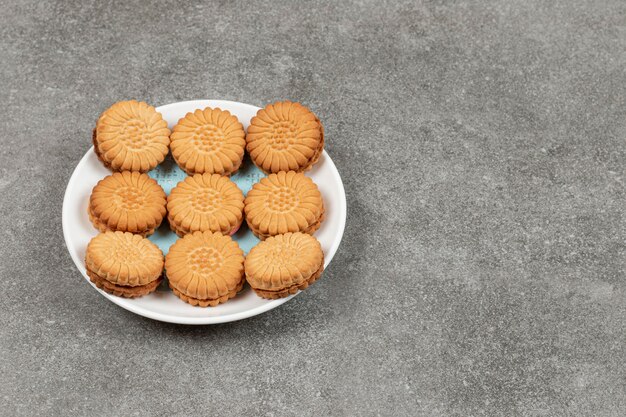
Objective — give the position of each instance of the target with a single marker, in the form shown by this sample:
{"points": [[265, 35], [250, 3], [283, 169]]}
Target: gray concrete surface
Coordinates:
{"points": [[482, 146]]}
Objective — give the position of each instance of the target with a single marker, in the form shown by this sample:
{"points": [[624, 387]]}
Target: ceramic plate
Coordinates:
{"points": [[163, 305]]}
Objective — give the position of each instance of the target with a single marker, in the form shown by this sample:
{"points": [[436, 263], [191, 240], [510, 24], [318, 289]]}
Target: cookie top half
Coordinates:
{"points": [[283, 202], [284, 136], [283, 260], [124, 258], [131, 136], [205, 265], [205, 202], [208, 141], [129, 202]]}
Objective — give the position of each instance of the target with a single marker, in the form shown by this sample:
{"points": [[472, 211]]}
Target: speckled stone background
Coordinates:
{"points": [[482, 145]]}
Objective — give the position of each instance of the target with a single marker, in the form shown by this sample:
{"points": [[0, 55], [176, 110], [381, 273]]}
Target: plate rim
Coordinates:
{"points": [[125, 304]]}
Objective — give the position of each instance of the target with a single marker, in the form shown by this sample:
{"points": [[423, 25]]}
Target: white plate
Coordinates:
{"points": [[163, 305]]}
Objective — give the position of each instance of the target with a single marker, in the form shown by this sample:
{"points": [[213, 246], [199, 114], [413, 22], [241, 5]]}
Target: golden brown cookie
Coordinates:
{"points": [[208, 141], [284, 202], [205, 268], [285, 136], [124, 264], [284, 264], [205, 202], [131, 136], [127, 202]]}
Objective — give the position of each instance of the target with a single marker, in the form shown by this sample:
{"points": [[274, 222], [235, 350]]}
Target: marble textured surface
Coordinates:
{"points": [[482, 147]]}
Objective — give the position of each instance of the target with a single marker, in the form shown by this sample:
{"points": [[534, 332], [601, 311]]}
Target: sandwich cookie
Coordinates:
{"points": [[285, 136], [284, 202], [208, 141], [124, 264], [205, 202], [284, 264], [127, 202], [205, 268], [131, 136]]}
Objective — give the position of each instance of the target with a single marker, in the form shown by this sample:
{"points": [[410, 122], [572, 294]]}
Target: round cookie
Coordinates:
{"points": [[124, 264], [284, 202], [208, 141], [285, 136], [127, 202], [205, 268], [131, 136], [284, 264], [205, 202]]}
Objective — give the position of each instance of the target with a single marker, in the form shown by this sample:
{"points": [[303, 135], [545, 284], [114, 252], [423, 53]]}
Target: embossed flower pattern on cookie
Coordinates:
{"points": [[284, 202], [205, 202], [131, 136], [208, 141], [285, 136], [205, 268], [128, 202]]}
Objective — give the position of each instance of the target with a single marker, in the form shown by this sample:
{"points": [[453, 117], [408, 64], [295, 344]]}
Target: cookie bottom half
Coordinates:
{"points": [[207, 303], [122, 290], [309, 230], [101, 227], [285, 292], [97, 151], [180, 231], [224, 174]]}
